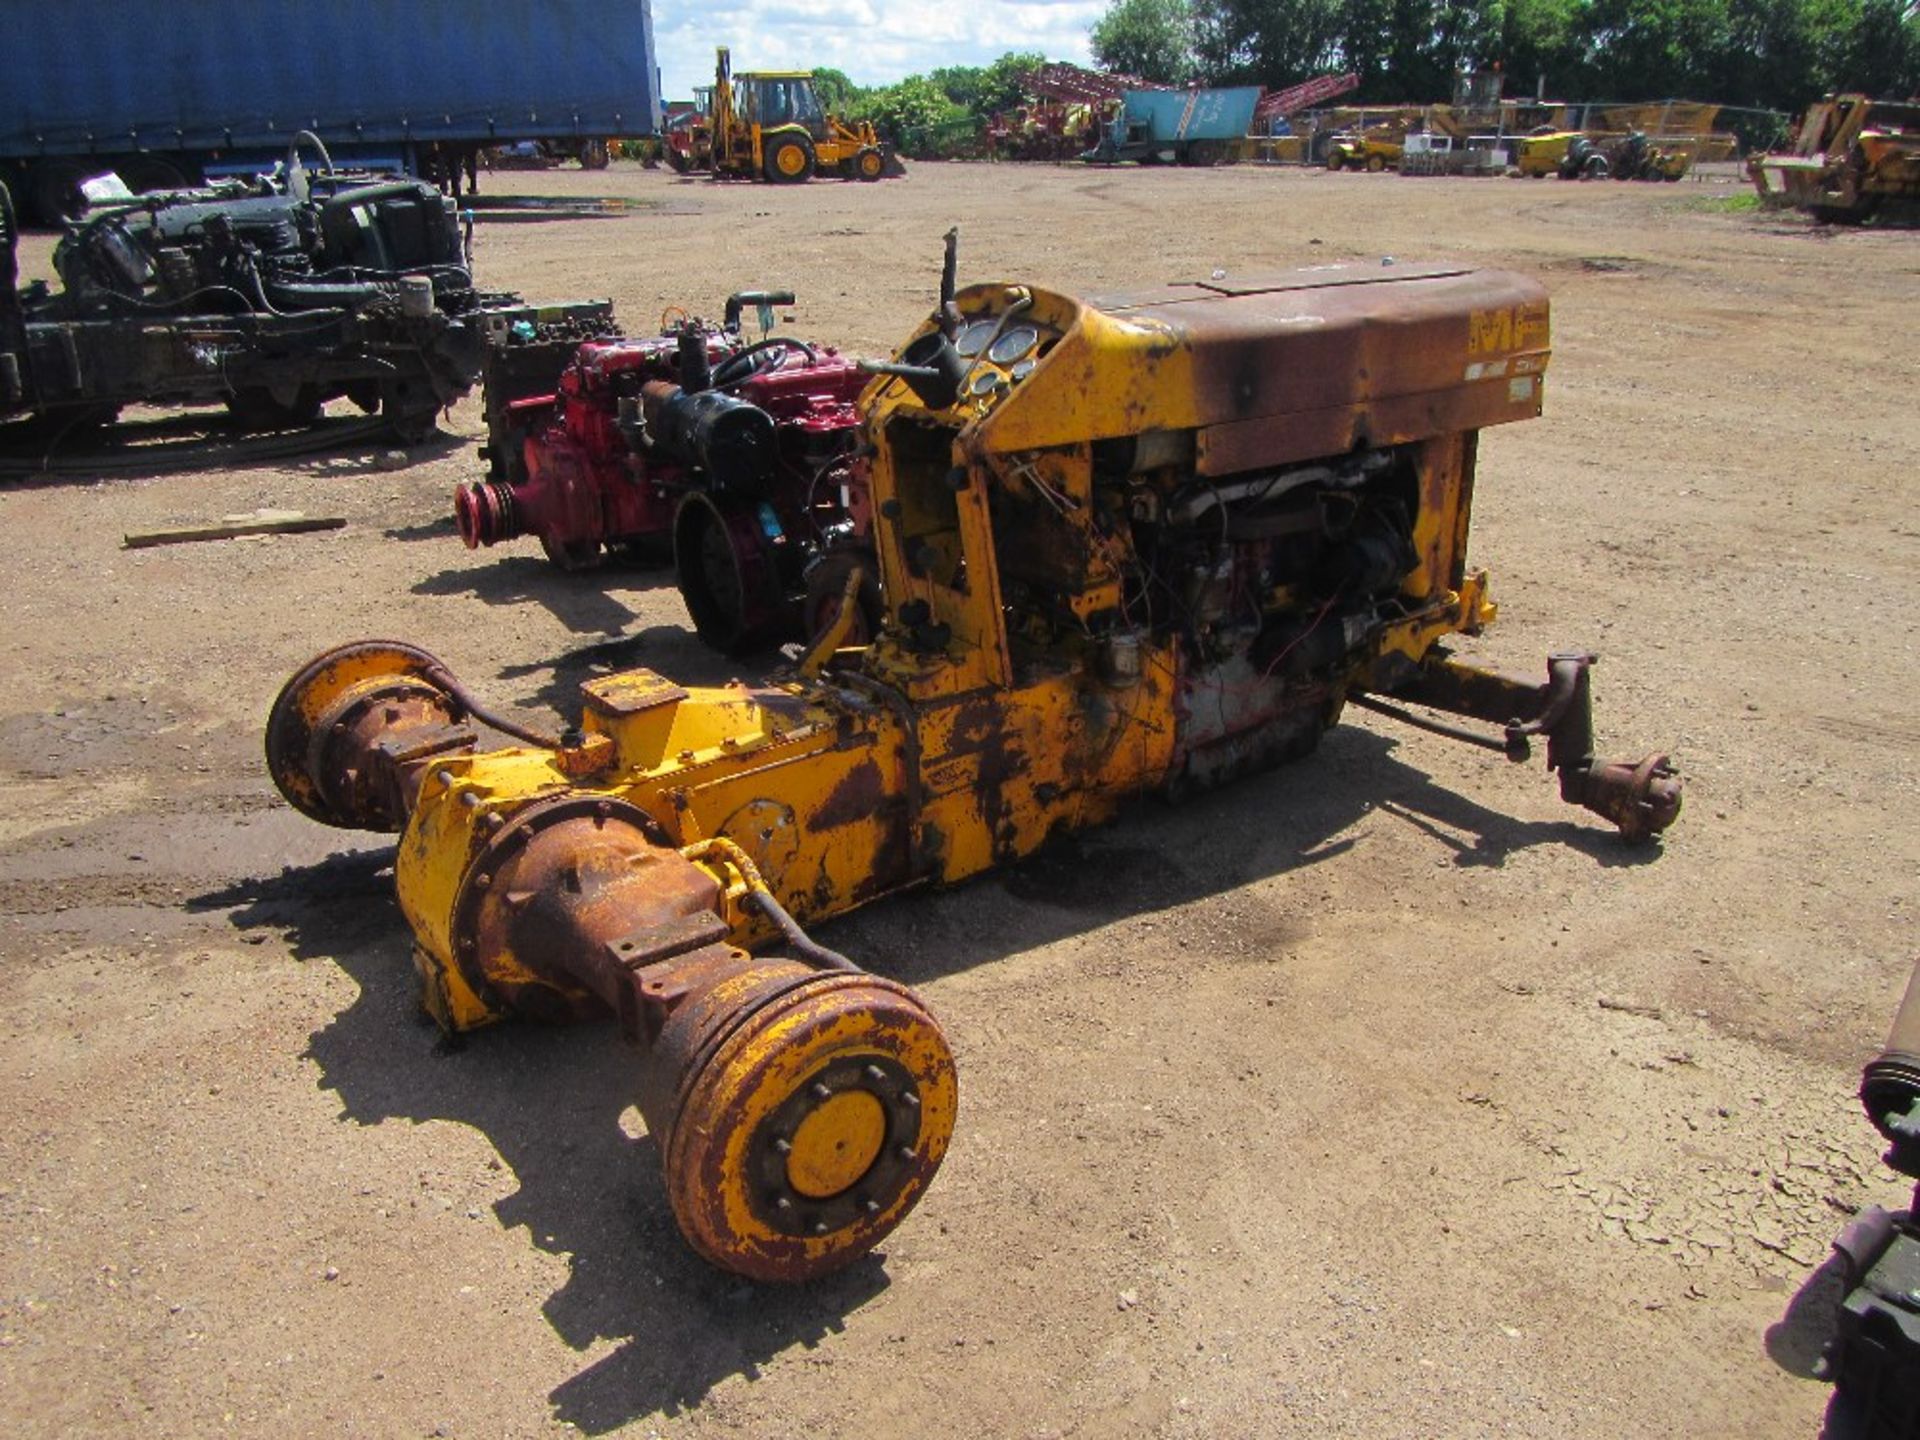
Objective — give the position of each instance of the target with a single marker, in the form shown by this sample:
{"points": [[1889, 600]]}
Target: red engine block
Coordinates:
{"points": [[641, 440]]}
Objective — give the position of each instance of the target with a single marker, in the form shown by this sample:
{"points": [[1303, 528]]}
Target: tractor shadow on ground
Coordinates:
{"points": [[669, 649], [556, 1103], [578, 601], [1797, 1342], [551, 1102]]}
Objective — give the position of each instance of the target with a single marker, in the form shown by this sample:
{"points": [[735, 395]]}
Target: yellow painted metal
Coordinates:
{"points": [[1028, 677], [1541, 155], [340, 680], [836, 1144], [829, 641], [1374, 152], [769, 1060], [1849, 155], [931, 762]]}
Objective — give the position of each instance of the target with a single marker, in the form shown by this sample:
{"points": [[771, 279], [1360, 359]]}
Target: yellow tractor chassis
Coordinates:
{"points": [[658, 862]]}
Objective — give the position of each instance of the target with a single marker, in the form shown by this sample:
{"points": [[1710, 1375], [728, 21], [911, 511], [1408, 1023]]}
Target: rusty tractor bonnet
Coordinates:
{"points": [[1149, 542]]}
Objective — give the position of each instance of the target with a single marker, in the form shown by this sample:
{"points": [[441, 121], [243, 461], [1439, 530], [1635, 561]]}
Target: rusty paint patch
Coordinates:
{"points": [[857, 796]]}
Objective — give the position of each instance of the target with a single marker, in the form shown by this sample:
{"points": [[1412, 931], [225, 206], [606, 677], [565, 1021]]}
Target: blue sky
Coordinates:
{"points": [[874, 41]]}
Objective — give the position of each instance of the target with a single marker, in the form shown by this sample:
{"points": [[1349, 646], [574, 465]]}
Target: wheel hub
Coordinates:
{"points": [[797, 1142], [839, 1148]]}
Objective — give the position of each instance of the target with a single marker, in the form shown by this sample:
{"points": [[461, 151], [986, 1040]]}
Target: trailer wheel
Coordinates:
{"points": [[594, 155], [789, 160], [1375, 164], [146, 173], [869, 164], [1333, 160], [413, 423], [56, 192], [410, 410], [413, 427]]}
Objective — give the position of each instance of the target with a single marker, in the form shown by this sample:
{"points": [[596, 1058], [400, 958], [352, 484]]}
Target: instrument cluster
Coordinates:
{"points": [[1001, 352]]}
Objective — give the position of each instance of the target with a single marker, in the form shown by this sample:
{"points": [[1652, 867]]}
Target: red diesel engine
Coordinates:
{"points": [[742, 455]]}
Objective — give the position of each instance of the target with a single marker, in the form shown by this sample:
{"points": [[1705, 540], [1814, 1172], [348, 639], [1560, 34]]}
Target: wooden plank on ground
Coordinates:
{"points": [[233, 529]]}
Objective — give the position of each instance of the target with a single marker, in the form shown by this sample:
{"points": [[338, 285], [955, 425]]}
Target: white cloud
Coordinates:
{"points": [[874, 41]]}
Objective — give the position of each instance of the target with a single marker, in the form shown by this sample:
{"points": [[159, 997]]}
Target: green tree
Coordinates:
{"points": [[1540, 41], [912, 110], [1647, 49], [1267, 42], [1878, 51], [838, 94], [1153, 39], [983, 90]]}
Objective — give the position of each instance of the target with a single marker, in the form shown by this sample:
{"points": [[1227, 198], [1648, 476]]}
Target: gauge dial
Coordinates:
{"points": [[973, 337], [1016, 344]]}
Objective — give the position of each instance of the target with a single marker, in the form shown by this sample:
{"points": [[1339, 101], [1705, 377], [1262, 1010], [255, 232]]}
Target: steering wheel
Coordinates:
{"points": [[775, 348]]}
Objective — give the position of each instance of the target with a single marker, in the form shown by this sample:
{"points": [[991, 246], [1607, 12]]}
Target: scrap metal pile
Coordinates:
{"points": [[1851, 159], [1070, 107], [1145, 543], [272, 296]]}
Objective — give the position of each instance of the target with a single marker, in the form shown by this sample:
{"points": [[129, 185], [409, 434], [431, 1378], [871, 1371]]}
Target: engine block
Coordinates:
{"points": [[273, 296], [741, 456]]}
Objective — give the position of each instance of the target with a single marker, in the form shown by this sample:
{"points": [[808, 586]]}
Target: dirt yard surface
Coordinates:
{"points": [[1381, 1096]]}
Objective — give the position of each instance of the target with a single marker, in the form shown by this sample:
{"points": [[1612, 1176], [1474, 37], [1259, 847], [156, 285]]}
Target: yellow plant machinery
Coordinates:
{"points": [[770, 125], [1129, 543], [1850, 159]]}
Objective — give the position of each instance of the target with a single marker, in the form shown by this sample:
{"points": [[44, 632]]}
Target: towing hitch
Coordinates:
{"points": [[1641, 797]]}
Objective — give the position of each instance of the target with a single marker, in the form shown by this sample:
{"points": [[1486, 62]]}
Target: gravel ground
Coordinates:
{"points": [[1380, 1096]]}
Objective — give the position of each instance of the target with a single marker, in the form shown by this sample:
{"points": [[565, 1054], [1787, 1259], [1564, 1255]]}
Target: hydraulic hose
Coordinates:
{"points": [[444, 679], [756, 893]]}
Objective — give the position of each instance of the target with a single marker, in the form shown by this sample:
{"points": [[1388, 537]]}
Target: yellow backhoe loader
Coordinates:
{"points": [[770, 125]]}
